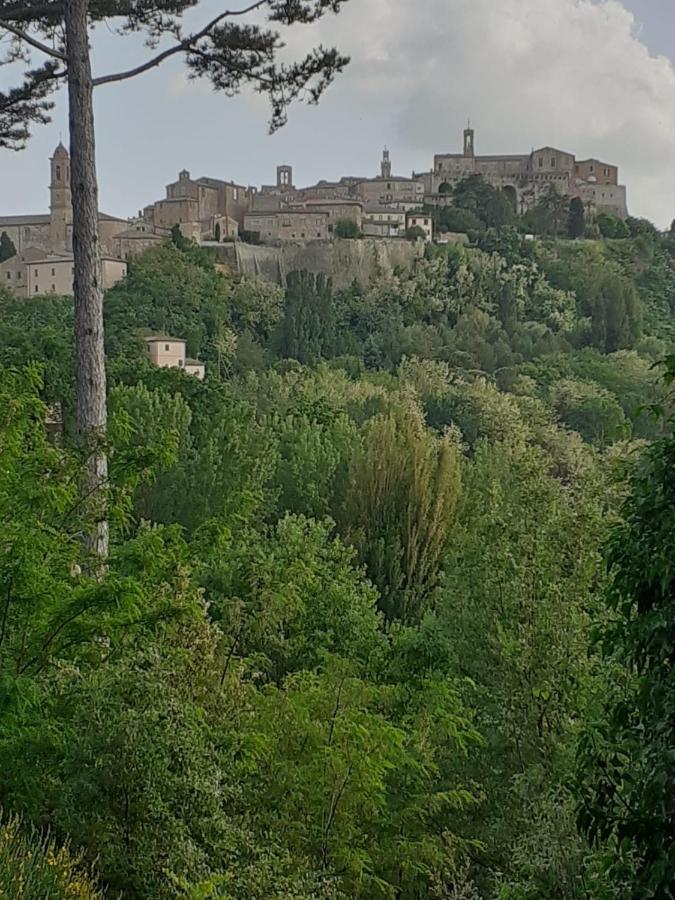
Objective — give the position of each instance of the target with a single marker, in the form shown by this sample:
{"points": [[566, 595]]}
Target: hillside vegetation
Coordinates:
{"points": [[345, 645]]}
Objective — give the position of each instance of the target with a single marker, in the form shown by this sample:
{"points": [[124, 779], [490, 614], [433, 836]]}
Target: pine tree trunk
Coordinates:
{"points": [[90, 379]]}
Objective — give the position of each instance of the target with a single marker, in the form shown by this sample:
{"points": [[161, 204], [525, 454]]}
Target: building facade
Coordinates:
{"points": [[423, 221], [171, 353], [384, 221], [53, 232], [528, 177], [32, 272], [288, 225], [204, 208]]}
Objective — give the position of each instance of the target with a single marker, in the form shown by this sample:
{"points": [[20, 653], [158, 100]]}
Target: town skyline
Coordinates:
{"points": [[627, 118]]}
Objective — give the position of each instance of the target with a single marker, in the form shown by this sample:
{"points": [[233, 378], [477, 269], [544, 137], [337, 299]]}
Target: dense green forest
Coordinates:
{"points": [[388, 610]]}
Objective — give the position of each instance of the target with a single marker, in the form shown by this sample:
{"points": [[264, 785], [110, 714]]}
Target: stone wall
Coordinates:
{"points": [[342, 260]]}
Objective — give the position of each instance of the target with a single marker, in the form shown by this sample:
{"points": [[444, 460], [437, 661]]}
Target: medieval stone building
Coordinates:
{"points": [[526, 178], [203, 208], [52, 232]]}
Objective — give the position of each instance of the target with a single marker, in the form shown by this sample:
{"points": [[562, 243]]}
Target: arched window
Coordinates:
{"points": [[58, 173]]}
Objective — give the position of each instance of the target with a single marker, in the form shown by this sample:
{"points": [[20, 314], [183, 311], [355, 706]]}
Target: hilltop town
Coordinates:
{"points": [[212, 211]]}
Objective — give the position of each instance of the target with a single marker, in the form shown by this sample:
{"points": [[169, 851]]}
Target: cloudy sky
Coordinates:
{"points": [[595, 77]]}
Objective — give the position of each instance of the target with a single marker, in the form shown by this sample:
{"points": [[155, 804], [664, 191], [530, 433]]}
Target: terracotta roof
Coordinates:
{"points": [[38, 219], [157, 338]]}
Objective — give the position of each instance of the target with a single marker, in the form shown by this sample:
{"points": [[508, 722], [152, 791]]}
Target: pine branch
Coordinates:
{"points": [[38, 45], [181, 47]]}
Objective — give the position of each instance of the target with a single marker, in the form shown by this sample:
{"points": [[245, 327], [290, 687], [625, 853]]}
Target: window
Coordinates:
{"points": [[302, 235], [9, 276], [541, 162], [166, 347], [318, 234], [235, 193], [26, 233], [53, 272], [35, 289], [18, 274], [53, 288], [591, 169], [553, 162], [58, 173], [180, 363], [36, 273]]}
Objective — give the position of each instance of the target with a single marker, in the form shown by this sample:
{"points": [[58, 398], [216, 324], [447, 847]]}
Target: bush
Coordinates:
{"points": [[459, 220], [612, 226], [345, 228], [415, 233], [34, 868]]}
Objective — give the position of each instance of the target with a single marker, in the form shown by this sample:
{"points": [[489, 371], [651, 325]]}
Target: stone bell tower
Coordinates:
{"points": [[61, 205], [469, 146], [385, 165]]}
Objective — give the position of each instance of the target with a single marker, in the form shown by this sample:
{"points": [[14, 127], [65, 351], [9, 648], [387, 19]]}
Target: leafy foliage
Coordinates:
{"points": [[341, 646], [625, 758], [33, 867]]}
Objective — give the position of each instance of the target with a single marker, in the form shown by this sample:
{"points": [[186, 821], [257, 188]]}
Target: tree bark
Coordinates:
{"points": [[90, 378]]}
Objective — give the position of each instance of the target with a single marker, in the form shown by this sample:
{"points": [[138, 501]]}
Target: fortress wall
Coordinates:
{"points": [[342, 260]]}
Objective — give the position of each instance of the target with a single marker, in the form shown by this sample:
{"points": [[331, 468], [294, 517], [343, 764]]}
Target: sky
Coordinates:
{"points": [[593, 77]]}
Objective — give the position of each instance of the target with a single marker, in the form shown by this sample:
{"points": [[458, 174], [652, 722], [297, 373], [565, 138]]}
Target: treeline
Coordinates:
{"points": [[474, 206], [344, 642]]}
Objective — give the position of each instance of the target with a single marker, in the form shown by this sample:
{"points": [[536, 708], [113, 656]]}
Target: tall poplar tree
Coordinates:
{"points": [[236, 47]]}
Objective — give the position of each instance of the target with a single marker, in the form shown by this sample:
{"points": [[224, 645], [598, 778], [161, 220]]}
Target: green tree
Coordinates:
{"points": [[612, 226], [231, 55], [516, 618], [288, 597], [415, 233], [550, 215], [499, 211], [474, 194], [346, 228], [591, 410], [358, 794], [7, 248], [307, 330], [625, 760], [402, 489], [451, 218], [576, 226]]}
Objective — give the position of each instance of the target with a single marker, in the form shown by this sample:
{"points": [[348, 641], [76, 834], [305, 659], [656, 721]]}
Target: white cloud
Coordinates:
{"points": [[572, 73]]}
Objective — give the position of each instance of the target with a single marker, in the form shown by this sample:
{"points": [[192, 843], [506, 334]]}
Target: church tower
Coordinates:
{"points": [[61, 206], [385, 165], [469, 147]]}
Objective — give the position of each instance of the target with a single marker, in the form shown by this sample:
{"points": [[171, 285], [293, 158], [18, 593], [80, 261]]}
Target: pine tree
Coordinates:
{"points": [[227, 51], [577, 219]]}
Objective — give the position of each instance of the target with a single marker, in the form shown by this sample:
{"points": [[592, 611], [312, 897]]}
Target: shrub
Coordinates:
{"points": [[345, 228], [32, 867]]}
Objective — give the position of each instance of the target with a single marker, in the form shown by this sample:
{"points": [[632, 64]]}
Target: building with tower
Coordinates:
{"points": [[525, 178], [203, 208], [52, 232]]}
